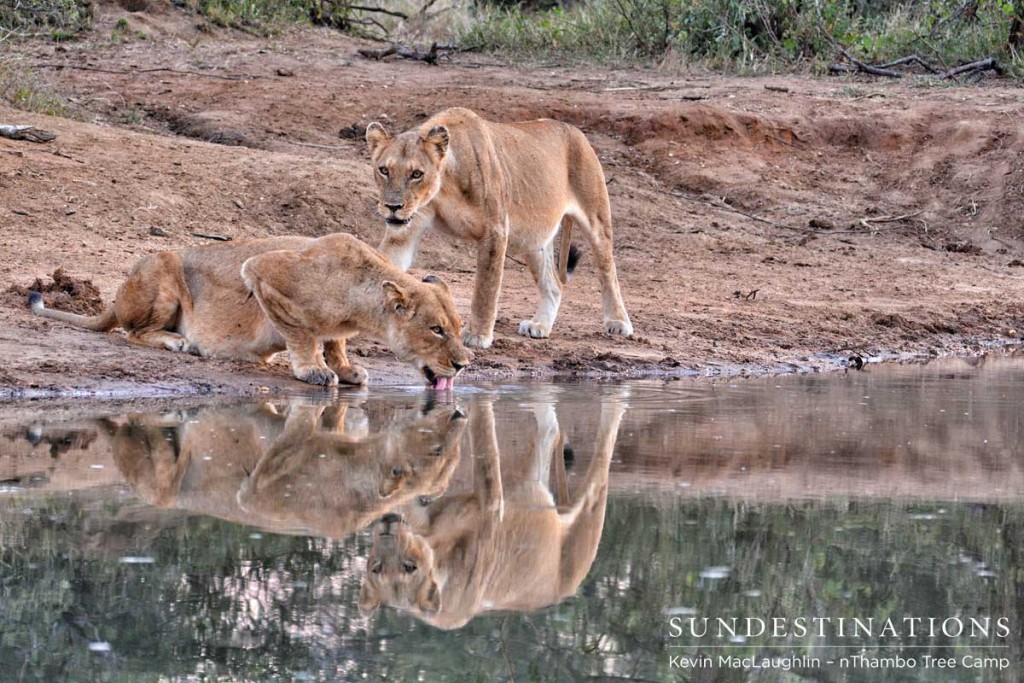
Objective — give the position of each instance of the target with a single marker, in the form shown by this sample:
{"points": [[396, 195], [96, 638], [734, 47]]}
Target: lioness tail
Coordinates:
{"points": [[107, 320], [568, 255]]}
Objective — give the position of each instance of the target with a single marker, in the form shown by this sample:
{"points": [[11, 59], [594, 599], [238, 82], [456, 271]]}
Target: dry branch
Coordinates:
{"points": [[885, 70], [429, 56], [28, 133], [129, 72]]}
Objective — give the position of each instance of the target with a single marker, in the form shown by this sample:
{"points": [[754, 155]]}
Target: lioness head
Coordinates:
{"points": [[407, 169], [399, 570], [425, 329], [419, 457]]}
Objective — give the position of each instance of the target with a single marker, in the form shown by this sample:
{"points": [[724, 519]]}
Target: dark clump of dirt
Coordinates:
{"points": [[64, 292], [962, 247], [198, 128]]}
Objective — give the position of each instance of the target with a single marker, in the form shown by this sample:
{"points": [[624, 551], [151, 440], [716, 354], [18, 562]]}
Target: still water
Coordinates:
{"points": [[658, 530]]}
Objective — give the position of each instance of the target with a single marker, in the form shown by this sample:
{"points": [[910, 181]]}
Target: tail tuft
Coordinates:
{"points": [[568, 454], [35, 301], [574, 258]]}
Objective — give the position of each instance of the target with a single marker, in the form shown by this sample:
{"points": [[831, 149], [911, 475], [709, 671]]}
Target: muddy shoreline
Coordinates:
{"points": [[259, 384], [757, 230]]}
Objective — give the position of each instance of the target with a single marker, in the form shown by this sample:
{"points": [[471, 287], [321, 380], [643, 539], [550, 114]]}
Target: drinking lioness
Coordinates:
{"points": [[249, 300]]}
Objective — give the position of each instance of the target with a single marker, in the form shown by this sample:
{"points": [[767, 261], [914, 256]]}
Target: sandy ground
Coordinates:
{"points": [[893, 213]]}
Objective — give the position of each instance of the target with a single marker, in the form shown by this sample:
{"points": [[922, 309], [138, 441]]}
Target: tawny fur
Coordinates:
{"points": [[508, 187], [508, 545], [302, 474], [249, 300]]}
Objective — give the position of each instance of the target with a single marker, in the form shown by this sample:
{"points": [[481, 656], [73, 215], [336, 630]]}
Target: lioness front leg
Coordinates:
{"points": [[337, 360], [490, 265], [307, 361]]}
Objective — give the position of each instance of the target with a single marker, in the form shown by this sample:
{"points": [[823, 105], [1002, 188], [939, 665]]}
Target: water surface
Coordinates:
{"points": [[523, 532]]}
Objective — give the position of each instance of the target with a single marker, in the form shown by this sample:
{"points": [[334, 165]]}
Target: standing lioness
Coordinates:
{"points": [[250, 300], [505, 186]]}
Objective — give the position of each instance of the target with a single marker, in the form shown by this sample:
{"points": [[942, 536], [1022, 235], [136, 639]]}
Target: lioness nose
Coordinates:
{"points": [[394, 207], [458, 366]]}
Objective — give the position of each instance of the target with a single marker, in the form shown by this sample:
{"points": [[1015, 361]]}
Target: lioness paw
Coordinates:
{"points": [[353, 374], [477, 341], [528, 328], [178, 345], [621, 327], [319, 376]]}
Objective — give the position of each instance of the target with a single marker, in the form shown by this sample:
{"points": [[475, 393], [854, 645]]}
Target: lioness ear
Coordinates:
{"points": [[429, 598], [438, 138], [397, 299], [376, 136], [369, 601], [435, 280]]}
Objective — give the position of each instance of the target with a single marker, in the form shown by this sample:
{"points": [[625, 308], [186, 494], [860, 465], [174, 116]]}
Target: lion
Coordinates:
{"points": [[296, 474], [504, 546], [343, 484], [508, 187], [249, 300]]}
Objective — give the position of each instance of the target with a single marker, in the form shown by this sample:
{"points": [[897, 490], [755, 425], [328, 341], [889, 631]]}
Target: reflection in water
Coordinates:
{"points": [[541, 532], [506, 545], [299, 474]]}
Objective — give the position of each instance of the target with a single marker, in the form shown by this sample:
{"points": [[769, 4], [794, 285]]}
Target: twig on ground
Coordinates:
{"points": [[27, 133], [129, 72], [217, 238], [333, 148], [865, 222]]}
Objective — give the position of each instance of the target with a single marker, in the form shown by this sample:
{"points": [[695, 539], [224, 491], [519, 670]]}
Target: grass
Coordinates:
{"points": [[747, 37], [736, 36], [22, 89], [259, 17], [59, 19]]}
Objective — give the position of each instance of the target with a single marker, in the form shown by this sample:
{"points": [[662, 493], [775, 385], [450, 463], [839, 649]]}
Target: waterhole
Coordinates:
{"points": [[761, 529]]}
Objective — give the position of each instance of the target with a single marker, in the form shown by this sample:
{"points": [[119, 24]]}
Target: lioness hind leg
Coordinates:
{"points": [[337, 359], [542, 267], [150, 303], [598, 228], [161, 339]]}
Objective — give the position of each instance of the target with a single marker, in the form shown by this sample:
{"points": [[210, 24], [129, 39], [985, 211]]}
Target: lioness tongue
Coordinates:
{"points": [[441, 384]]}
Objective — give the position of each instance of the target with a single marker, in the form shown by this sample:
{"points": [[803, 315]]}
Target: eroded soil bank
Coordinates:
{"points": [[895, 211]]}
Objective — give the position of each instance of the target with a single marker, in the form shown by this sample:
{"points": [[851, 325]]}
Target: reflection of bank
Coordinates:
{"points": [[516, 541], [299, 473]]}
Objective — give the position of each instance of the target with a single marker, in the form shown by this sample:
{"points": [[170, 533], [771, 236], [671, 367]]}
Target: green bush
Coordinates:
{"points": [[60, 19], [757, 35]]}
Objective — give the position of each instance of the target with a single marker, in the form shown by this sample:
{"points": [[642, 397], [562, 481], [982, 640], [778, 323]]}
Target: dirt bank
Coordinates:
{"points": [[895, 212]]}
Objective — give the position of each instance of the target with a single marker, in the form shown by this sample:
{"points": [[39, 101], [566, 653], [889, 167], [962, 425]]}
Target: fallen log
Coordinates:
{"points": [[28, 133], [885, 70], [429, 56]]}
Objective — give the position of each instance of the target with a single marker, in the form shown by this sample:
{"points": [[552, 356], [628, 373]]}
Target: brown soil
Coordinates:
{"points": [[249, 137]]}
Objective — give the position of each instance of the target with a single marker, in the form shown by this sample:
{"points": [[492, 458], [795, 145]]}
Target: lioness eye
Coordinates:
{"points": [[438, 330], [409, 567], [383, 170], [416, 175], [377, 567], [396, 471]]}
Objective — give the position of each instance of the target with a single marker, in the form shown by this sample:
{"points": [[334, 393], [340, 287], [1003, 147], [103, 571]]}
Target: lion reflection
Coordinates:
{"points": [[298, 473], [509, 544]]}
